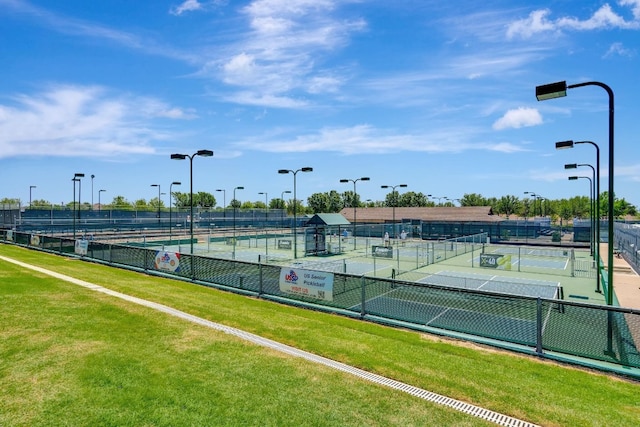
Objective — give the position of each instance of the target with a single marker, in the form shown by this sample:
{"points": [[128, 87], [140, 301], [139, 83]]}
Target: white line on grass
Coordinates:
{"points": [[458, 405]]}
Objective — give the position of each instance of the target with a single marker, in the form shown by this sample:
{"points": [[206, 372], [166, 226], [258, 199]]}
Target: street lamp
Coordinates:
{"points": [[569, 144], [170, 205], [31, 187], [100, 204], [76, 178], [558, 89], [295, 207], [395, 201], [535, 197], [574, 178], [355, 203], [224, 205], [266, 207], [202, 153], [92, 176], [235, 202], [158, 185], [284, 205], [575, 166], [439, 198]]}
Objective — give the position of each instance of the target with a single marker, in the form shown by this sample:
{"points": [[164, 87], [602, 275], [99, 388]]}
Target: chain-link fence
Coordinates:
{"points": [[546, 326]]}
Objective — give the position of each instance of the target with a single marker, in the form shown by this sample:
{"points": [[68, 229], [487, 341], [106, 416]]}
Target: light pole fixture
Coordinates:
{"points": [[158, 185], [99, 203], [569, 144], [170, 205], [31, 187], [558, 89], [266, 207], [92, 176], [439, 198], [395, 201], [76, 178], [201, 153], [235, 202], [295, 207], [593, 208], [284, 205], [535, 197], [224, 204], [355, 203], [574, 178]]}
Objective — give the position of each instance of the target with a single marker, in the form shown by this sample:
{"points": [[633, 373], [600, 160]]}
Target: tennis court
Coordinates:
{"points": [[495, 317], [493, 283]]}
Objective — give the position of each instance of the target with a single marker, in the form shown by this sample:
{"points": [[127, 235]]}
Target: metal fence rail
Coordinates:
{"points": [[541, 325]]}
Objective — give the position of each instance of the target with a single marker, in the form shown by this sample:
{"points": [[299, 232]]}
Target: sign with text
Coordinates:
{"points": [[284, 244], [382, 251], [495, 261], [308, 283], [167, 261], [81, 247]]}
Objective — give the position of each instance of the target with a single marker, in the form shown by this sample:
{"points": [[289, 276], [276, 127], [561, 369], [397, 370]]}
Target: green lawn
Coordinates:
{"points": [[71, 356]]}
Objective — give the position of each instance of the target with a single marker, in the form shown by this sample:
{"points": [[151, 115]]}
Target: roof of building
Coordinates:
{"points": [[438, 213], [328, 219]]}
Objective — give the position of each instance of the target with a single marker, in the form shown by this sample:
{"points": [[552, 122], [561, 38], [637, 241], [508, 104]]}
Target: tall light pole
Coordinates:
{"points": [[593, 208], [224, 205], [76, 178], [284, 205], [395, 201], [266, 207], [235, 202], [295, 207], [355, 203], [158, 185], [439, 198], [559, 89], [201, 153], [574, 178], [569, 144], [99, 203], [170, 206], [31, 187], [92, 176], [535, 197]]}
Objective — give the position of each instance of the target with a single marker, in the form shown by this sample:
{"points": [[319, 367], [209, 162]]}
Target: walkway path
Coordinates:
{"points": [[458, 405], [626, 282]]}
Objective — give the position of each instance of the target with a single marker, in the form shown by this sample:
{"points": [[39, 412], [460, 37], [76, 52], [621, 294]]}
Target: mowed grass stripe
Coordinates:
{"points": [[76, 357], [521, 387]]}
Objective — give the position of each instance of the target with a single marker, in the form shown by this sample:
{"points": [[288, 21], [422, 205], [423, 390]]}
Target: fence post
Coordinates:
{"points": [[539, 326], [260, 275], [363, 295]]}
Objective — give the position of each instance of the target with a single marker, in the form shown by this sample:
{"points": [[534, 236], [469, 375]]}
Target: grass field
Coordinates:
{"points": [[71, 356]]}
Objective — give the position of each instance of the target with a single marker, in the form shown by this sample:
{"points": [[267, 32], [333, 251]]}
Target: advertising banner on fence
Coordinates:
{"points": [[382, 251], [34, 240], [81, 247], [308, 283], [167, 261], [495, 261]]}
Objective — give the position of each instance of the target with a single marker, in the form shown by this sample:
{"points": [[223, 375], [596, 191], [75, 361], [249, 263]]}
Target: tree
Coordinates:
{"points": [[204, 199], [141, 205], [248, 205], [508, 205], [155, 203], [119, 202], [318, 202], [473, 199], [235, 204], [413, 199]]}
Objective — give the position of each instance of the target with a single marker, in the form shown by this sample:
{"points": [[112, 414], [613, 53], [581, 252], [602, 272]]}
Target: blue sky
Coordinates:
{"points": [[436, 95]]}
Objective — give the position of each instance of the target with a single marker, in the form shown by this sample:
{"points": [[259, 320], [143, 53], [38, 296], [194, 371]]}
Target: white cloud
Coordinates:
{"points": [[617, 49], [279, 53], [366, 139], [81, 121], [520, 117], [605, 17], [186, 6]]}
